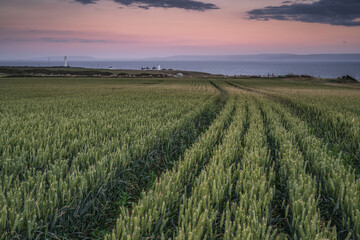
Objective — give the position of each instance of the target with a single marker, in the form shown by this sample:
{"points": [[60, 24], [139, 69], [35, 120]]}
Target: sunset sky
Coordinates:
{"points": [[150, 28]]}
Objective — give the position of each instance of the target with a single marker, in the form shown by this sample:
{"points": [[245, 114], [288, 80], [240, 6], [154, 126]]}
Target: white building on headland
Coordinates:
{"points": [[158, 67]]}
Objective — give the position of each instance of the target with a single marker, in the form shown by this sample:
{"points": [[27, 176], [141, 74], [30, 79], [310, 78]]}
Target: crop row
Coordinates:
{"points": [[248, 214], [340, 130], [339, 181], [199, 213], [302, 208]]}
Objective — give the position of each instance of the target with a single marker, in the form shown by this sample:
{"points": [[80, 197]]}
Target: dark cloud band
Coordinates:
{"points": [[86, 1], [334, 12], [146, 4]]}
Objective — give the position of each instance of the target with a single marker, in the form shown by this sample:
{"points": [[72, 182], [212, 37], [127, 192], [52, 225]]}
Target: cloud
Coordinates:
{"points": [[333, 12], [49, 32], [68, 40], [54, 40], [86, 1], [147, 4]]}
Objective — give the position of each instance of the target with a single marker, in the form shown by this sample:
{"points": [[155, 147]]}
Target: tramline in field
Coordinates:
{"points": [[178, 159]]}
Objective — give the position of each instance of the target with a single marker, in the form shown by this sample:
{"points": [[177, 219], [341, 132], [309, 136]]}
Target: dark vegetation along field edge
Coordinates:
{"points": [[88, 72]]}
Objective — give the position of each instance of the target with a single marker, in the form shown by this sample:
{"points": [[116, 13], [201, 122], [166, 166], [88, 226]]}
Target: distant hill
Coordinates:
{"points": [[257, 57], [262, 57], [61, 58]]}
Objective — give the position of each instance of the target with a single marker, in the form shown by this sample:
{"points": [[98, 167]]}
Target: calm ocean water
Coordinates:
{"points": [[325, 69]]}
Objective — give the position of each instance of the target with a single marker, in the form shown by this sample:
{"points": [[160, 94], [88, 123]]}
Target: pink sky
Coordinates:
{"points": [[64, 27]]}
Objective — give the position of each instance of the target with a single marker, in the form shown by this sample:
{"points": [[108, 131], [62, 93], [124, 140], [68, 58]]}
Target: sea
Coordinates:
{"points": [[324, 69]]}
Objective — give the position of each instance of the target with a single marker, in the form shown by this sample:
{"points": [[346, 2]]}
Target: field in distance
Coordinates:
{"points": [[193, 157]]}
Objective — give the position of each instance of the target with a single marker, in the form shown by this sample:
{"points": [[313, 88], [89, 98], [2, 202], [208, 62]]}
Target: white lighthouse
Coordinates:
{"points": [[65, 62], [158, 67]]}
